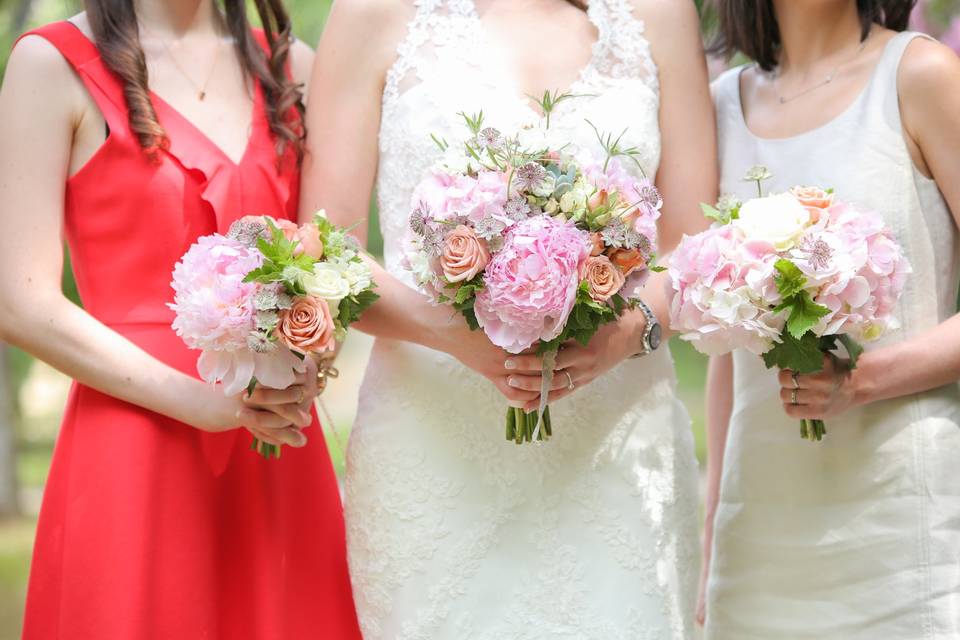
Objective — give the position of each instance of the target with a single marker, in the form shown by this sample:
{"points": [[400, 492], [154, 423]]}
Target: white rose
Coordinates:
{"points": [[328, 283], [780, 220]]}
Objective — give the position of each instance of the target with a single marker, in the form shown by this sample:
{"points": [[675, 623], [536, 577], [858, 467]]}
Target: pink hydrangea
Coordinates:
{"points": [[447, 195], [531, 284], [725, 288], [724, 292]]}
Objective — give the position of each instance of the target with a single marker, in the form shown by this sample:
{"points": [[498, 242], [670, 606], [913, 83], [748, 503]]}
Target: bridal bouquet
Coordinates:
{"points": [[532, 243], [259, 299], [789, 276]]}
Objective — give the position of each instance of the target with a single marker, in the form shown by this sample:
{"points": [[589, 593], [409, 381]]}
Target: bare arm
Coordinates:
{"points": [[688, 175], [38, 121], [930, 101], [719, 409], [343, 123]]}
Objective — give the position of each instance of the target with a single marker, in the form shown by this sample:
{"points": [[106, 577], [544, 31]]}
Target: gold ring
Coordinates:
{"points": [[796, 379], [793, 397], [570, 385]]}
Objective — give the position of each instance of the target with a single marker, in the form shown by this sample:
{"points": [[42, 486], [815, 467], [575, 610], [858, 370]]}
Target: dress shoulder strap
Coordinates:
{"points": [[104, 86], [882, 94]]}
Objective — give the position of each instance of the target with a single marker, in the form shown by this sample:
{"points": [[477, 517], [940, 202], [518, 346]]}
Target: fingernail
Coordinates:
{"points": [[301, 440], [306, 417], [512, 382], [510, 364]]}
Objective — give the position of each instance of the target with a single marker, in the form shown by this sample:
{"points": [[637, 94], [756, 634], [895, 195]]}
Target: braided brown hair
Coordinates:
{"points": [[115, 30]]}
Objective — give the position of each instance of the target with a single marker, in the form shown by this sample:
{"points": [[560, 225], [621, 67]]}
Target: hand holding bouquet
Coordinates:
{"points": [[532, 243], [791, 277], [260, 299]]}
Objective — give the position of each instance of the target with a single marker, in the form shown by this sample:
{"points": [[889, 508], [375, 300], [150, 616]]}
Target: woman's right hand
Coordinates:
{"points": [[274, 416], [474, 350]]}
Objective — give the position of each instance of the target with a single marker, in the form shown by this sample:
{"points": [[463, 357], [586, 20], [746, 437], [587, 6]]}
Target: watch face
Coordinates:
{"points": [[656, 333]]}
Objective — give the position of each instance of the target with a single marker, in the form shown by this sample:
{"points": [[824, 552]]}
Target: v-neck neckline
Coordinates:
{"points": [[159, 101], [528, 100]]}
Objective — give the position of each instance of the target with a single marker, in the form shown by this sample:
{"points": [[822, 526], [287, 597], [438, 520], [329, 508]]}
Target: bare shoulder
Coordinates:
{"points": [[365, 34], [673, 29], [38, 74], [929, 71]]}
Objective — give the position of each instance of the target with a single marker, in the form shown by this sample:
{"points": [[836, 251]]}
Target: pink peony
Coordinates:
{"points": [[531, 284], [215, 313], [214, 306]]}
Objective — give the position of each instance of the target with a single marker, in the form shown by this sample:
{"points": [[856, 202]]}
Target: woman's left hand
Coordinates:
{"points": [[577, 366], [818, 396]]}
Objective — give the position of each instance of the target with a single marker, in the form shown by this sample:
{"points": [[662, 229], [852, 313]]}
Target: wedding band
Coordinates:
{"points": [[570, 385], [793, 397], [796, 380], [300, 400]]}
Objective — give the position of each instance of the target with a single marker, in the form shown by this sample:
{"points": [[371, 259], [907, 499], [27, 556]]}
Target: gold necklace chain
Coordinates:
{"points": [[200, 89], [830, 77]]}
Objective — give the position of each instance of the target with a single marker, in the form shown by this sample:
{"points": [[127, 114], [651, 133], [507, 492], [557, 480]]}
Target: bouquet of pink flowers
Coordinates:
{"points": [[260, 299], [532, 244], [791, 277]]}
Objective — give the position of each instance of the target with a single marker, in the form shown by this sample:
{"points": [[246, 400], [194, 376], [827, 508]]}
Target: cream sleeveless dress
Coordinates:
{"points": [[454, 533], [856, 537]]}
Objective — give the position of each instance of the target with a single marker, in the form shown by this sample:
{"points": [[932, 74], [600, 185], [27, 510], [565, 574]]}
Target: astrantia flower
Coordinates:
{"points": [[650, 197], [615, 233], [757, 173], [531, 284], [260, 342], [517, 208], [489, 227], [418, 219], [247, 231], [490, 138], [530, 176]]}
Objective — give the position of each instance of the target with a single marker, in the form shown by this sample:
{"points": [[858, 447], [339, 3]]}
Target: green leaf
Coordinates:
{"points": [[801, 355], [714, 214], [854, 348], [352, 307], [789, 279], [804, 315]]}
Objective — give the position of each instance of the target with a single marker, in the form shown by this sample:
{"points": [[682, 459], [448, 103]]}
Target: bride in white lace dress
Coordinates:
{"points": [[452, 531]]}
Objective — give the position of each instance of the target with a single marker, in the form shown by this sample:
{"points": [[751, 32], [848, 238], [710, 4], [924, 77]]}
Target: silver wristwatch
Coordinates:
{"points": [[652, 332]]}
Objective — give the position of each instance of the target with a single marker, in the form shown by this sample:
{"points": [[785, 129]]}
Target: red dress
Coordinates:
{"points": [[151, 529]]}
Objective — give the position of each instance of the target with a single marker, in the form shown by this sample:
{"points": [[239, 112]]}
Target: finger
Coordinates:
{"points": [[535, 383], [297, 414], [265, 436], [523, 364], [805, 412], [515, 397], [290, 436], [572, 357], [263, 420], [798, 396], [265, 396]]}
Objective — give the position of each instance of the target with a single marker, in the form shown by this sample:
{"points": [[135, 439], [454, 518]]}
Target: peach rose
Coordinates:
{"points": [[464, 255], [289, 229], [597, 245], [627, 260], [307, 325], [308, 236], [814, 199], [605, 280]]}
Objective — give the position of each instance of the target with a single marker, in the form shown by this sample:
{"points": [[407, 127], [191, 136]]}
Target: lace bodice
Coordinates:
{"points": [[444, 66]]}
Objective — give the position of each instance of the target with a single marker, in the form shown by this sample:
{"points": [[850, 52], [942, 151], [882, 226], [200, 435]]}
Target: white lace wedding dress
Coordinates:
{"points": [[454, 533]]}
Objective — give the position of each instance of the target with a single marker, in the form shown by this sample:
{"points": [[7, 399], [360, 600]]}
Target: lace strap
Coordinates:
{"points": [[622, 50], [423, 31]]}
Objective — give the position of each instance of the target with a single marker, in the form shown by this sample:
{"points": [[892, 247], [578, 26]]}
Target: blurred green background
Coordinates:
{"points": [[32, 394]]}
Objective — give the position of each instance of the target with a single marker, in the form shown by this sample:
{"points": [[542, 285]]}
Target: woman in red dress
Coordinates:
{"points": [[157, 521]]}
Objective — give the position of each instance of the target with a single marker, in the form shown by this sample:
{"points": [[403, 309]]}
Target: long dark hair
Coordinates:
{"points": [[114, 26], [579, 4], [750, 26]]}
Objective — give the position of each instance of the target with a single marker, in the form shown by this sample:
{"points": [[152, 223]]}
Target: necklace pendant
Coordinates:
{"points": [[202, 95]]}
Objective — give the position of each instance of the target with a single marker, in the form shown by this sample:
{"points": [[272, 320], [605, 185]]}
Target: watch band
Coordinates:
{"points": [[651, 325]]}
